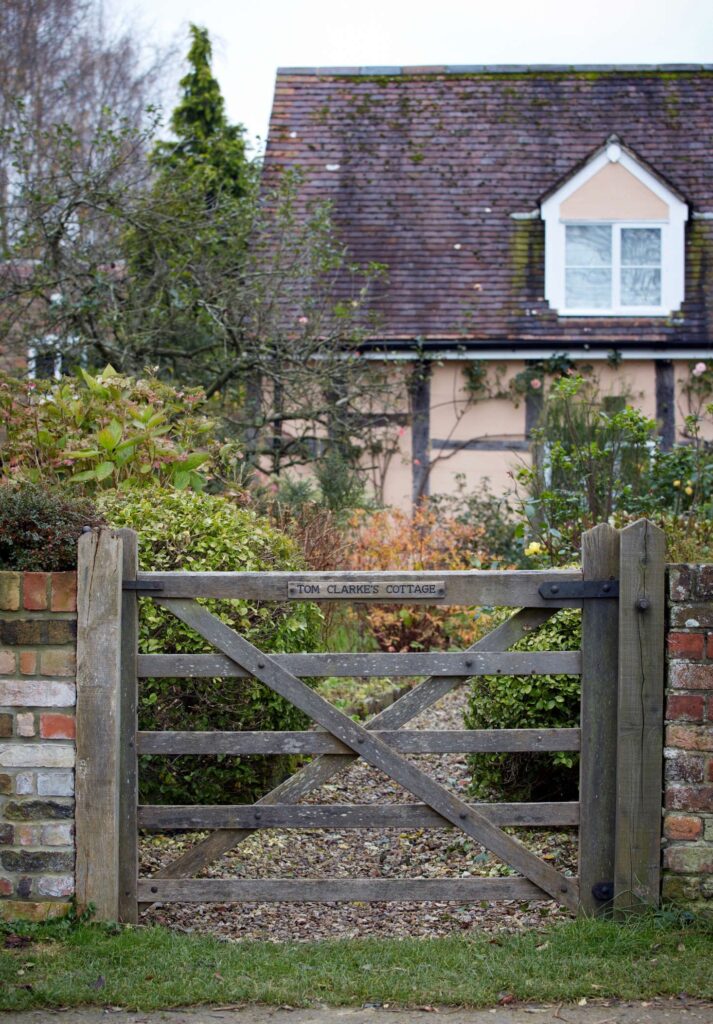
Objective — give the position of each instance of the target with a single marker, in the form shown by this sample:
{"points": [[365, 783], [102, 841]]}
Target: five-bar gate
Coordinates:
{"points": [[620, 589]]}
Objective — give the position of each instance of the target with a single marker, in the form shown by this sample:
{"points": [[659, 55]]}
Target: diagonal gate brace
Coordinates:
{"points": [[323, 768], [375, 751]]}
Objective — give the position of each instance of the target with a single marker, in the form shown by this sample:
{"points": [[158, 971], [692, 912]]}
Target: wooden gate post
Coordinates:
{"points": [[597, 775], [98, 716], [640, 717], [128, 762]]}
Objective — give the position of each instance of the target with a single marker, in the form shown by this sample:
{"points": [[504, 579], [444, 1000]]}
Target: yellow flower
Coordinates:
{"points": [[534, 548], [688, 490], [676, 483]]}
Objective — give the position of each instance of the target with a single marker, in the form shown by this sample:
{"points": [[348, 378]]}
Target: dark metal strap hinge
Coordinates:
{"points": [[579, 590]]}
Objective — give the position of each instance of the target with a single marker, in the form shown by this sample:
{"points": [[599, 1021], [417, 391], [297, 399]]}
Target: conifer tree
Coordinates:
{"points": [[208, 151]]}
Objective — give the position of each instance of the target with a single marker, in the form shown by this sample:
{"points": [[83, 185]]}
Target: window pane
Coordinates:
{"points": [[640, 286], [588, 288], [641, 247], [588, 245]]}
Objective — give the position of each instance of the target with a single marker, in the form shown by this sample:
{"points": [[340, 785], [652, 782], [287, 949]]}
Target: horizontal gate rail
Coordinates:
{"points": [[373, 751], [525, 663], [511, 589], [401, 816], [411, 741], [361, 890]]}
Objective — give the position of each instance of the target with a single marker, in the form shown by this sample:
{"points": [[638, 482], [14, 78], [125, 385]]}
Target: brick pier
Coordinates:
{"points": [[37, 697]]}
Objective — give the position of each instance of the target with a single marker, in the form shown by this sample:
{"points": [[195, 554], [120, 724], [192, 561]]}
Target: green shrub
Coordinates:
{"points": [[96, 433], [39, 528], [185, 530], [528, 702]]}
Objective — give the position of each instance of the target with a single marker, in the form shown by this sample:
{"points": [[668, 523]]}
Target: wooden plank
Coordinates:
{"points": [[356, 890], [434, 663], [374, 751], [129, 791], [402, 816], [412, 741], [640, 718], [318, 772], [98, 716], [597, 774], [472, 587]]}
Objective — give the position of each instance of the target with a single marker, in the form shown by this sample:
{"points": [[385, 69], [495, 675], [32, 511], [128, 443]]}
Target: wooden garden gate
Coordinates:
{"points": [[620, 589]]}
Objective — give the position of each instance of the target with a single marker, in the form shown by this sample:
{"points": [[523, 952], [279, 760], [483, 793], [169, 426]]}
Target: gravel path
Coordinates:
{"points": [[424, 853]]}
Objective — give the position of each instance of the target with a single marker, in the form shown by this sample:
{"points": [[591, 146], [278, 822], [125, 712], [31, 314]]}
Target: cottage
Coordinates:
{"points": [[526, 216]]}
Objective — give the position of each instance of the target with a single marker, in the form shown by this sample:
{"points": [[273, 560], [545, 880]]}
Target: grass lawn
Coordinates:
{"points": [[151, 968]]}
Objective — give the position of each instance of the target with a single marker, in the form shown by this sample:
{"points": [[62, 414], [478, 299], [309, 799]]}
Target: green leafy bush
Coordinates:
{"points": [[39, 528], [184, 530], [528, 702], [106, 431]]}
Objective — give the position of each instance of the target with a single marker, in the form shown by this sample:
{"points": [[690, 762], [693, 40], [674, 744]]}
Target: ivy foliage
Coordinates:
{"points": [[185, 530], [528, 702]]}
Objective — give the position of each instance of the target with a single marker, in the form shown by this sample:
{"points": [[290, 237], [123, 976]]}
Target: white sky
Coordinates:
{"points": [[252, 39]]}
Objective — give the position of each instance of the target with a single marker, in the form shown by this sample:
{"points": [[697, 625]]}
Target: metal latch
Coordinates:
{"points": [[578, 590]]}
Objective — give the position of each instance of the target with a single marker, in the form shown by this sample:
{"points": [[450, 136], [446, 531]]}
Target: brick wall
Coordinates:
{"points": [[37, 698], [688, 801]]}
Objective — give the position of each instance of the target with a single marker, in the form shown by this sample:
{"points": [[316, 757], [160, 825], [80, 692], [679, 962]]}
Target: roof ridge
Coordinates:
{"points": [[504, 69]]}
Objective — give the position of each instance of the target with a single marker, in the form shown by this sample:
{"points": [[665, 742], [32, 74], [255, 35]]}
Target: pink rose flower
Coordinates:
{"points": [[698, 369], [536, 384], [302, 320]]}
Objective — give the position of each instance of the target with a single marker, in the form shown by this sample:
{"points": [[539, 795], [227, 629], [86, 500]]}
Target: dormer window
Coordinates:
{"points": [[614, 240]]}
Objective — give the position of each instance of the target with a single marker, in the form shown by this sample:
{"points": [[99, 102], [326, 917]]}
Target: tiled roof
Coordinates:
{"points": [[427, 169]]}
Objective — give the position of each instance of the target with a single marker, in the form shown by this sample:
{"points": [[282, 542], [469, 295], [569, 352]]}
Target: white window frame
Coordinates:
{"points": [[672, 241]]}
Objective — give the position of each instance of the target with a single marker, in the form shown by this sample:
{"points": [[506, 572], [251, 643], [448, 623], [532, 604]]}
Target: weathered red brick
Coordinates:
{"points": [[28, 662], [709, 647], [702, 614], [689, 859], [683, 766], [35, 586], [690, 737], [64, 592], [689, 798], [5, 887], [685, 707], [704, 586], [10, 591], [684, 676], [682, 826], [60, 663], [686, 645], [57, 727], [680, 584], [7, 662]]}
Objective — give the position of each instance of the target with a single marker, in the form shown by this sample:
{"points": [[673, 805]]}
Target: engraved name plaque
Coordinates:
{"points": [[366, 590]]}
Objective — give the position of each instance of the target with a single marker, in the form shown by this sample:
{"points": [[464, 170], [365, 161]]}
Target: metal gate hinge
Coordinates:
{"points": [[147, 586], [579, 590]]}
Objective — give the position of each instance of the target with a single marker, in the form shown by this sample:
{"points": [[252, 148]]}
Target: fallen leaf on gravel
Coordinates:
{"points": [[506, 998], [427, 1009]]}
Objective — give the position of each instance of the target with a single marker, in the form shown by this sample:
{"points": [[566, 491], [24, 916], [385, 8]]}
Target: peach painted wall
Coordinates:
{"points": [[499, 419], [613, 194]]}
